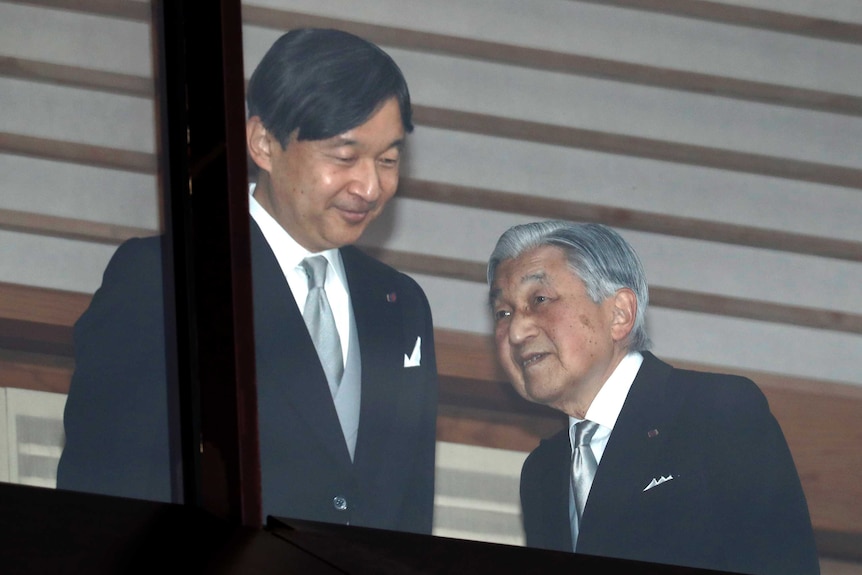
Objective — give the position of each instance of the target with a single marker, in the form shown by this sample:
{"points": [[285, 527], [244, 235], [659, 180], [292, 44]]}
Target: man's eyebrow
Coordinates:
{"points": [[537, 277], [338, 141]]}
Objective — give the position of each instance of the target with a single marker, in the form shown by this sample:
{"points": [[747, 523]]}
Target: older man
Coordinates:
{"points": [[657, 464], [347, 379]]}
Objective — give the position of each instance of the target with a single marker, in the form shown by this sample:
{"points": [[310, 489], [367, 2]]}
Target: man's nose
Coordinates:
{"points": [[366, 181], [522, 327]]}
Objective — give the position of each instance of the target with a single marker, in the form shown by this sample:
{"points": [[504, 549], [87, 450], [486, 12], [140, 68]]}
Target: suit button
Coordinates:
{"points": [[339, 503]]}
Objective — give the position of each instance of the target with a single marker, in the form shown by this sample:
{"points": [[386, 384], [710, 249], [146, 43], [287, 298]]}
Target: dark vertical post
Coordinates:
{"points": [[202, 98]]}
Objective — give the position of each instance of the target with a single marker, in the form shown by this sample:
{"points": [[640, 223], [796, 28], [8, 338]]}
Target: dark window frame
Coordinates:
{"points": [[203, 171]]}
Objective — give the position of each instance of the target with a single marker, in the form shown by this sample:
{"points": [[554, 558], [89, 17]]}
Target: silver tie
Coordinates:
{"points": [[321, 325], [583, 465]]}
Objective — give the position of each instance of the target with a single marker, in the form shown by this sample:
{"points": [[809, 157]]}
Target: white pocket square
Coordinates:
{"points": [[415, 359], [658, 481]]}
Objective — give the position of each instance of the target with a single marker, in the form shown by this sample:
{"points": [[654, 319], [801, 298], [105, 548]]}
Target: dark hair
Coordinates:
{"points": [[598, 255], [321, 83]]}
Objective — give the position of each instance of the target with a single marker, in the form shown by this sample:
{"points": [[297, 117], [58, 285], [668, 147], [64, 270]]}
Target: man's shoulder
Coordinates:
{"points": [[716, 385], [360, 257], [135, 265], [374, 270], [705, 392], [142, 254], [131, 295]]}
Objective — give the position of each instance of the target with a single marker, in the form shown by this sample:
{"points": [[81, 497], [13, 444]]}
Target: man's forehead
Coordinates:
{"points": [[532, 266], [384, 129], [509, 280], [538, 275]]}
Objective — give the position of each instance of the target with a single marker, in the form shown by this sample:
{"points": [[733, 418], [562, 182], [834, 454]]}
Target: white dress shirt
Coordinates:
{"points": [[290, 255], [604, 410]]}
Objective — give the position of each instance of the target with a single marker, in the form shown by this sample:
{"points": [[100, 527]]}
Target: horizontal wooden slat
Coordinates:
{"points": [[69, 228], [41, 305], [39, 320], [497, 430], [638, 147], [565, 63], [35, 337], [38, 372], [755, 309], [467, 356], [548, 208], [136, 10], [76, 76], [659, 296], [77, 153], [746, 16]]}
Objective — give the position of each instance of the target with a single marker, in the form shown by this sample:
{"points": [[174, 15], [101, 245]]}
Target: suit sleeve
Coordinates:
{"points": [[115, 418], [531, 504], [544, 495], [765, 512]]}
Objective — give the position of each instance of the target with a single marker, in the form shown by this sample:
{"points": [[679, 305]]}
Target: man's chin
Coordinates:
{"points": [[345, 236], [541, 394]]}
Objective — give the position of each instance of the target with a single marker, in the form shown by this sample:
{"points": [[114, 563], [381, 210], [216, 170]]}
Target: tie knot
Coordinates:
{"points": [[315, 268], [584, 432]]}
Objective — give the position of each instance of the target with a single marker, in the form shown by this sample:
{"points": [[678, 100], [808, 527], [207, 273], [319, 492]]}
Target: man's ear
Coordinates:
{"points": [[625, 307], [260, 143]]}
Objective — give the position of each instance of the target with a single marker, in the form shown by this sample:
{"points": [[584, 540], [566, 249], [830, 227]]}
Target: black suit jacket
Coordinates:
{"points": [[116, 416], [735, 502]]}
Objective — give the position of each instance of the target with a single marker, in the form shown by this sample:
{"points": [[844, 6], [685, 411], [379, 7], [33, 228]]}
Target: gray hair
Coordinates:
{"points": [[598, 255]]}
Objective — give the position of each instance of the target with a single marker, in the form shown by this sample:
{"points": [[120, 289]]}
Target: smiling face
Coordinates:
{"points": [[556, 344], [324, 193]]}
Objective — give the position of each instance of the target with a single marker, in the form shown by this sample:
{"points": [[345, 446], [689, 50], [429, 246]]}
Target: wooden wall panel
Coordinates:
{"points": [[598, 30], [537, 171]]}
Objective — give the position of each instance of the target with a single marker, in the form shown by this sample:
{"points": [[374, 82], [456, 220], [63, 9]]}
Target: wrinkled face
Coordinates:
{"points": [[557, 346], [326, 192]]}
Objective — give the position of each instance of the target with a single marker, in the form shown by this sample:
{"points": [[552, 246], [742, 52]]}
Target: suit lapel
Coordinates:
{"points": [[291, 381], [378, 320], [632, 453]]}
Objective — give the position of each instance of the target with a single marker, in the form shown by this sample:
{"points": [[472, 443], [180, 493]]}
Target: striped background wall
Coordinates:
{"points": [[721, 138]]}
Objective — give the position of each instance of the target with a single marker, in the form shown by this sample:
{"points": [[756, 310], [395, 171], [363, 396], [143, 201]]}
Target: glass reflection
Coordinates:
{"points": [[77, 177]]}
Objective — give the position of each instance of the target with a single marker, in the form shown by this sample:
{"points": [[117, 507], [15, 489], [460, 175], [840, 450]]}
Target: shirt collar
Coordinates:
{"points": [[606, 407], [286, 249]]}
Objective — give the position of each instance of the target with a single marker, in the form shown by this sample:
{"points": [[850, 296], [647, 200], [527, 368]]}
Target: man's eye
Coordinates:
{"points": [[501, 314], [389, 162], [343, 155], [540, 299]]}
